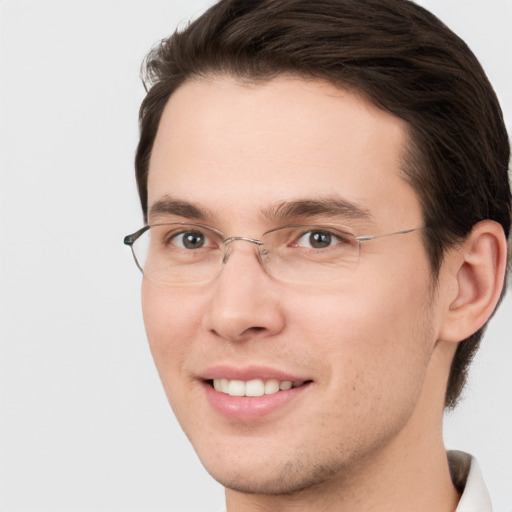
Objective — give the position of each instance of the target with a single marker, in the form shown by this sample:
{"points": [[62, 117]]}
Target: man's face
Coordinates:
{"points": [[361, 344]]}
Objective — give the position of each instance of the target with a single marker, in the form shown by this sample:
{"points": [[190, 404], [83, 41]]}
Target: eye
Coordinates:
{"points": [[320, 239], [189, 240], [186, 238]]}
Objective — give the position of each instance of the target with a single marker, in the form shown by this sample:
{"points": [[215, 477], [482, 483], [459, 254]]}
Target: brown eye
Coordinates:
{"points": [[318, 239], [189, 240]]}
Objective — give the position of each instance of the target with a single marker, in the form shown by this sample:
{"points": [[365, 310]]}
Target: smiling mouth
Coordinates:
{"points": [[255, 387]]}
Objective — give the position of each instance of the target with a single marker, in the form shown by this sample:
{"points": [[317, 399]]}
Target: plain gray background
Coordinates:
{"points": [[84, 423]]}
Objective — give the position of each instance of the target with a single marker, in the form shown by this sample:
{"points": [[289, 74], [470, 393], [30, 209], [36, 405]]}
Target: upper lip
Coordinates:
{"points": [[249, 373]]}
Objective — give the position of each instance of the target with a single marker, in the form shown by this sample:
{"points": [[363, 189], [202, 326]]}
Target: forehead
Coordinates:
{"points": [[236, 149]]}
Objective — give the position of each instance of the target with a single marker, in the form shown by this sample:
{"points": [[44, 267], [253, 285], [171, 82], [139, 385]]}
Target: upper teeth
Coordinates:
{"points": [[256, 387]]}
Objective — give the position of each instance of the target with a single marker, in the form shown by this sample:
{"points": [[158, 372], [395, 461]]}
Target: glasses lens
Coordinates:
{"points": [[190, 253], [310, 254], [178, 253]]}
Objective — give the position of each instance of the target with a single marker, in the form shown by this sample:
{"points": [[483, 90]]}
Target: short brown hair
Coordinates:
{"points": [[402, 58]]}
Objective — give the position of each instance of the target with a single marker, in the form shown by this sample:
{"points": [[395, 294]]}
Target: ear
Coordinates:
{"points": [[477, 270]]}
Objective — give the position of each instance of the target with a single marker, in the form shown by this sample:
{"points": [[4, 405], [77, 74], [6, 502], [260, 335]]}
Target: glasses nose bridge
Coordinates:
{"points": [[228, 241]]}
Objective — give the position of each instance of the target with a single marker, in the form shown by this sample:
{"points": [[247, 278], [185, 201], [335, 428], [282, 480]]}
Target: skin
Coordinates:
{"points": [[366, 433]]}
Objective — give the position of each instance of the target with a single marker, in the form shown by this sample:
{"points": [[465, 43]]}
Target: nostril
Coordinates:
{"points": [[250, 333]]}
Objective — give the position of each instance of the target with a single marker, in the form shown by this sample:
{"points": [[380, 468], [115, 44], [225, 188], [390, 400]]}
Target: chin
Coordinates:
{"points": [[286, 482], [274, 477]]}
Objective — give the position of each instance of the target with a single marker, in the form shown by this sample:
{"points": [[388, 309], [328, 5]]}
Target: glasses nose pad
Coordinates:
{"points": [[264, 256], [226, 255]]}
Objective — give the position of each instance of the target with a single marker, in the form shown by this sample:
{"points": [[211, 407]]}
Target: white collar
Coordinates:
{"points": [[466, 474]]}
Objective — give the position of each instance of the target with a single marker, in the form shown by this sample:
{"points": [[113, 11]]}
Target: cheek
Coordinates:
{"points": [[172, 322], [378, 315], [375, 336]]}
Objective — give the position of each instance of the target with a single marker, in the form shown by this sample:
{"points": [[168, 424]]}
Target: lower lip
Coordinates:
{"points": [[249, 409]]}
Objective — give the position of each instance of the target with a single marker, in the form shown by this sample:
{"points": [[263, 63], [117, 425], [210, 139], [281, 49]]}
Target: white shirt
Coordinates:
{"points": [[468, 479]]}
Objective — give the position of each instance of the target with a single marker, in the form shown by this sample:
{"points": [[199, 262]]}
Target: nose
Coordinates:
{"points": [[245, 300]]}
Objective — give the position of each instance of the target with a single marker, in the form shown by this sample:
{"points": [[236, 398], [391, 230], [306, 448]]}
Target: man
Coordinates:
{"points": [[327, 205]]}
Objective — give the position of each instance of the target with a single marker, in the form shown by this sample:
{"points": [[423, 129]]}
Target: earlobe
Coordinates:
{"points": [[478, 269]]}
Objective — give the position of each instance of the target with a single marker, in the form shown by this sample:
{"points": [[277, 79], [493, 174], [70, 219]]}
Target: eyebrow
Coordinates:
{"points": [[301, 209], [332, 206], [170, 206]]}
